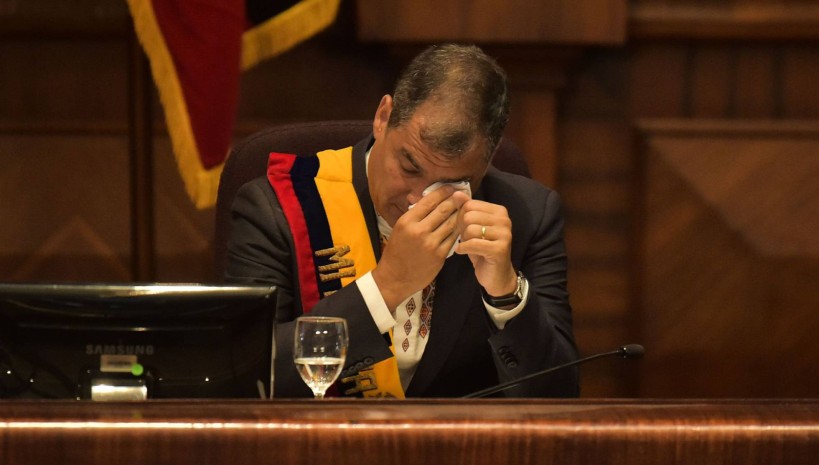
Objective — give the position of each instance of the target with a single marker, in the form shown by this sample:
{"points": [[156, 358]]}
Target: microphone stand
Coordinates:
{"points": [[627, 351]]}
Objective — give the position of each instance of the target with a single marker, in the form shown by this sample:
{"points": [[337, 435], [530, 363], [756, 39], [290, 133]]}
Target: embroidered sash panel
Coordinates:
{"points": [[332, 243]]}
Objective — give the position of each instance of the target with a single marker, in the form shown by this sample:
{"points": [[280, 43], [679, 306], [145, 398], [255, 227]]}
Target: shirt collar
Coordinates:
{"points": [[384, 228]]}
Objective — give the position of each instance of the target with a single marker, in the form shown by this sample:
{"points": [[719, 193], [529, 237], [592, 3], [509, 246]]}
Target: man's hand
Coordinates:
{"points": [[486, 238], [418, 245]]}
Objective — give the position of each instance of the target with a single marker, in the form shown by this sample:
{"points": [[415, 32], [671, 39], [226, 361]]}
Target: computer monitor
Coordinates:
{"points": [[136, 341]]}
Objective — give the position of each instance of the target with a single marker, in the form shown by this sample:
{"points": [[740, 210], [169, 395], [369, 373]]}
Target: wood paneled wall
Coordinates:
{"points": [[703, 101], [729, 257], [656, 141]]}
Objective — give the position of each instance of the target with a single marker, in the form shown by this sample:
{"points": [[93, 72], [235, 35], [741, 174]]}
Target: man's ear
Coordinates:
{"points": [[382, 116]]}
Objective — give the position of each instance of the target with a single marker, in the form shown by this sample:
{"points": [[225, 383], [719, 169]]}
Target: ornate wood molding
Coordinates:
{"points": [[45, 19], [751, 21], [493, 21]]}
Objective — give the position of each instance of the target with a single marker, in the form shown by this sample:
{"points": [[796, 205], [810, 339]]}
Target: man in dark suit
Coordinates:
{"points": [[368, 233]]}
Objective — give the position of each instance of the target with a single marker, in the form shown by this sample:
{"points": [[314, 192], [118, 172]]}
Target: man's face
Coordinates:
{"points": [[401, 165]]}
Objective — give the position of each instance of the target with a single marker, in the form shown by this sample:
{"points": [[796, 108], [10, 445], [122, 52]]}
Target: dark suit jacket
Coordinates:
{"points": [[465, 352]]}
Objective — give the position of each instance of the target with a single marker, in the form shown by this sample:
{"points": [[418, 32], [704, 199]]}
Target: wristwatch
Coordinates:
{"points": [[509, 299]]}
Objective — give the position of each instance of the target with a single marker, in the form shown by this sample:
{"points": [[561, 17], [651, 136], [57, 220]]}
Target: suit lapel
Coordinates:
{"points": [[362, 189], [454, 297]]}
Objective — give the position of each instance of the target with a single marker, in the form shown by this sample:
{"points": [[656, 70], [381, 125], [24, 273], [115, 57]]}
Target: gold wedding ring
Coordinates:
{"points": [[483, 232]]}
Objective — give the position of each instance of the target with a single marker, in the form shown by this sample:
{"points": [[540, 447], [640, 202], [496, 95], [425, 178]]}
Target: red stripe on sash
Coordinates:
{"points": [[278, 174]]}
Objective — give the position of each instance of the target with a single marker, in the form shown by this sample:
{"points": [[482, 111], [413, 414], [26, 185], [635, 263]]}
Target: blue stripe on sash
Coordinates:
{"points": [[303, 176]]}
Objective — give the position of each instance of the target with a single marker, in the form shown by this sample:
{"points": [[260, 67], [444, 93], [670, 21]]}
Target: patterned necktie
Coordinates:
{"points": [[416, 325]]}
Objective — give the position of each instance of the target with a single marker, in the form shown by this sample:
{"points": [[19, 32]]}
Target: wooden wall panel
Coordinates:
{"points": [[493, 21], [756, 86], [184, 235], [49, 81], [533, 129], [64, 208], [712, 75], [799, 69], [730, 217], [753, 20], [595, 172], [657, 81], [688, 73]]}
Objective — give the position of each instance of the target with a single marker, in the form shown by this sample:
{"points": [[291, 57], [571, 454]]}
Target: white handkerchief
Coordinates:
{"points": [[462, 186]]}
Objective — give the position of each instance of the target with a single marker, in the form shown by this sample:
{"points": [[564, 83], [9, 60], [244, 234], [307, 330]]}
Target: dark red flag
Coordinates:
{"points": [[197, 50]]}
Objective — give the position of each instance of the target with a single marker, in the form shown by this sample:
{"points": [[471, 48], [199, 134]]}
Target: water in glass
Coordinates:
{"points": [[320, 348]]}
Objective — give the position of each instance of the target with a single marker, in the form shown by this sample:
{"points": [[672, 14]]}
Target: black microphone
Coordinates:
{"points": [[631, 351]]}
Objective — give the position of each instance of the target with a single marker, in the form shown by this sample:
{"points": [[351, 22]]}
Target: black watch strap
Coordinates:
{"points": [[509, 299]]}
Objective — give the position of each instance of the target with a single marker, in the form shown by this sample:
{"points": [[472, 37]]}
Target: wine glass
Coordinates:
{"points": [[319, 350]]}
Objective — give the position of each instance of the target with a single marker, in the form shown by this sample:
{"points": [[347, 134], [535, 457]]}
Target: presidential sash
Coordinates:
{"points": [[332, 243]]}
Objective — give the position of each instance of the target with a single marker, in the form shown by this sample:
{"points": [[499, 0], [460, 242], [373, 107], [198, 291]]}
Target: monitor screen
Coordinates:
{"points": [[136, 341]]}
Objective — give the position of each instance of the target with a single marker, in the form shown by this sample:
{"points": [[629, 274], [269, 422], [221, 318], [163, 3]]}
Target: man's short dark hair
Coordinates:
{"points": [[466, 84]]}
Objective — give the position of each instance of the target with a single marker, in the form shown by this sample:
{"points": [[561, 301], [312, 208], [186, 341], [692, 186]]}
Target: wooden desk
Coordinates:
{"points": [[337, 432]]}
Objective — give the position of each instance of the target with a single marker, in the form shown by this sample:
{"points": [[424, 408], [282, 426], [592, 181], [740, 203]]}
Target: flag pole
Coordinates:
{"points": [[140, 154]]}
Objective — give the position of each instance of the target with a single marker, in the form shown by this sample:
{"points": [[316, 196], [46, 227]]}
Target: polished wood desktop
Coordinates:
{"points": [[338, 432]]}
